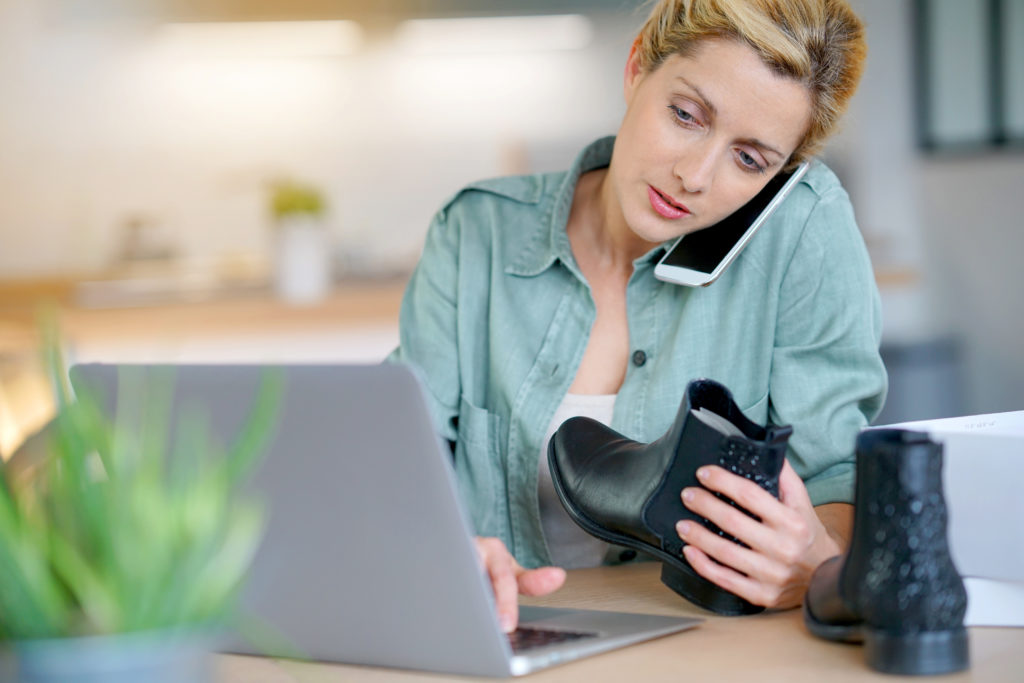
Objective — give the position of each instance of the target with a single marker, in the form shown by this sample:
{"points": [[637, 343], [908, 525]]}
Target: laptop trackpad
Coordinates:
{"points": [[534, 615], [602, 622]]}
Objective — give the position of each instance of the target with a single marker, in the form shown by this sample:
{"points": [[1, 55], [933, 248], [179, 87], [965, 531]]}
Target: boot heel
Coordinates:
{"points": [[704, 593], [923, 653]]}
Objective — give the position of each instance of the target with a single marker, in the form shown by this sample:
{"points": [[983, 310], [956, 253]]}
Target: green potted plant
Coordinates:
{"points": [[302, 259], [120, 560]]}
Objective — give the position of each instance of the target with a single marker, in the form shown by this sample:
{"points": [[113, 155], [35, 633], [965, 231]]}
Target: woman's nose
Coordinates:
{"points": [[696, 170]]}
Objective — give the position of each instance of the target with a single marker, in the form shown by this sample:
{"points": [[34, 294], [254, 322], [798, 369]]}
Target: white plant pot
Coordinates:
{"points": [[302, 260]]}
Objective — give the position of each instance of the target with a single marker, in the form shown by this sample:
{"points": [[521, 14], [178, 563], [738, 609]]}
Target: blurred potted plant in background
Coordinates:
{"points": [[121, 558], [302, 250]]}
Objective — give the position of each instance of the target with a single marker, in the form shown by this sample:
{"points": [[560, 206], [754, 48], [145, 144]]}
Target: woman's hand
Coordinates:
{"points": [[786, 546], [508, 580]]}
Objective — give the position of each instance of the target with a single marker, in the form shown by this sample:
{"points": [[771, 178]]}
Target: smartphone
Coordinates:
{"points": [[698, 258]]}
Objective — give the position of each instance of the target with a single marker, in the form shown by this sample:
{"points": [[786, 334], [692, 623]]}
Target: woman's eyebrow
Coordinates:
{"points": [[706, 103], [765, 147], [700, 95]]}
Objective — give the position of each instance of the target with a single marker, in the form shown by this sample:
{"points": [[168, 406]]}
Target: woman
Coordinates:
{"points": [[535, 300]]}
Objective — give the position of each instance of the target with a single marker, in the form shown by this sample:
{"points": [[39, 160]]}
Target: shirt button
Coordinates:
{"points": [[639, 358], [627, 555]]}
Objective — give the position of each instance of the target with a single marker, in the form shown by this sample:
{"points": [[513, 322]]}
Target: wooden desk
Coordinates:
{"points": [[756, 649]]}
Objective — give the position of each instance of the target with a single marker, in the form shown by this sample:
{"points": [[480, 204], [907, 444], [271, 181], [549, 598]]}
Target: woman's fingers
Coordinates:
{"points": [[541, 581], [784, 545], [729, 518], [782, 531], [721, 575], [792, 490], [768, 594], [740, 490], [501, 568], [754, 576], [745, 561], [509, 579]]}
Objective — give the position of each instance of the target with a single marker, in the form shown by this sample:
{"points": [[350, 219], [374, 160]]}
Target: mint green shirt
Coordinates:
{"points": [[497, 315]]}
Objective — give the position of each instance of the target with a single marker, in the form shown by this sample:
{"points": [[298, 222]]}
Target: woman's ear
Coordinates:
{"points": [[633, 70]]}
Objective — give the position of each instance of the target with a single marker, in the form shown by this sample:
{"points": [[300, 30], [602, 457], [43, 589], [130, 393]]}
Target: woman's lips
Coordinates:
{"points": [[666, 207]]}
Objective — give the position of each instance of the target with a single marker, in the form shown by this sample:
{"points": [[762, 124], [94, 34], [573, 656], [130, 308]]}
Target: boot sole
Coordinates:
{"points": [[676, 573], [912, 654], [840, 633], [924, 653]]}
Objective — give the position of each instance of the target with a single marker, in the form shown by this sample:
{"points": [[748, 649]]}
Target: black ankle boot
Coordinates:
{"points": [[629, 493], [896, 589]]}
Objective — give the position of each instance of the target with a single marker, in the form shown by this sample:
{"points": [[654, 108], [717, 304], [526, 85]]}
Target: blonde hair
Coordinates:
{"points": [[819, 43]]}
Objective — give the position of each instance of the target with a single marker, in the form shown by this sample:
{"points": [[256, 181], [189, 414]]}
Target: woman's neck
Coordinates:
{"points": [[598, 232]]}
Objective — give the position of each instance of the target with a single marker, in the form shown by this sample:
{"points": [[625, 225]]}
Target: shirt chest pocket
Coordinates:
{"points": [[479, 468]]}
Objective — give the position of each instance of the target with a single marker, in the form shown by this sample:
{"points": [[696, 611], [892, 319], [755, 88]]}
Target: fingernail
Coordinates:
{"points": [[703, 473], [508, 624], [683, 528], [688, 494]]}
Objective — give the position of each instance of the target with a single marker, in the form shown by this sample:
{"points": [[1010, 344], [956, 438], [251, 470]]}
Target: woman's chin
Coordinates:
{"points": [[657, 231]]}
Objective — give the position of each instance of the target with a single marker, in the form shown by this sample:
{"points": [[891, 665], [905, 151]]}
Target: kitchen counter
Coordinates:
{"points": [[356, 322], [237, 314]]}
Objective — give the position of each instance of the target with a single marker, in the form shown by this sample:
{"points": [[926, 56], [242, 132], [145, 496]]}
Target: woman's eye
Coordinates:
{"points": [[750, 162], [682, 114]]}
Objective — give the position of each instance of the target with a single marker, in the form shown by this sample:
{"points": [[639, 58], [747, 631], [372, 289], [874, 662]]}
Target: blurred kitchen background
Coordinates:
{"points": [[144, 145]]}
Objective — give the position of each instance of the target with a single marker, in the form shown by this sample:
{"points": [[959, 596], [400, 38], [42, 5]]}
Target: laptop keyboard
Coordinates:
{"points": [[526, 638]]}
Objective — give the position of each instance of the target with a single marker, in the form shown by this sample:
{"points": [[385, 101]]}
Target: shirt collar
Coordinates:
{"points": [[550, 242]]}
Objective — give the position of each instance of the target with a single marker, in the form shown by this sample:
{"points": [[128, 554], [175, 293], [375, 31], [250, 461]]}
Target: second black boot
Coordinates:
{"points": [[896, 589], [628, 493]]}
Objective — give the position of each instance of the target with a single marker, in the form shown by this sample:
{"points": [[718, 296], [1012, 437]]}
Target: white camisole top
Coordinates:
{"points": [[570, 547]]}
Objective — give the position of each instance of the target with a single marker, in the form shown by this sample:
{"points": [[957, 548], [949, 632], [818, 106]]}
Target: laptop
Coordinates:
{"points": [[368, 557]]}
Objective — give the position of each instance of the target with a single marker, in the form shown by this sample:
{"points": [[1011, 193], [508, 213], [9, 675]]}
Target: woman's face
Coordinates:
{"points": [[701, 136]]}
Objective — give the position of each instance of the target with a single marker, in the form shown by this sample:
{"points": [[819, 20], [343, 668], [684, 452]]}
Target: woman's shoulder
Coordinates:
{"points": [[819, 198], [513, 191], [819, 186], [816, 217], [823, 227], [827, 210], [821, 179], [500, 218]]}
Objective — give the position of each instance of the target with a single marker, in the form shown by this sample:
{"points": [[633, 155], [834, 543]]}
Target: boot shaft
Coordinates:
{"points": [[899, 574]]}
